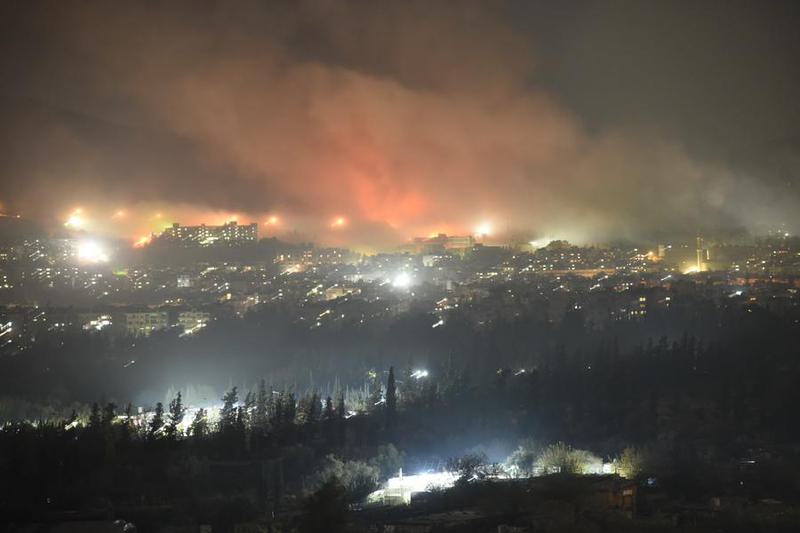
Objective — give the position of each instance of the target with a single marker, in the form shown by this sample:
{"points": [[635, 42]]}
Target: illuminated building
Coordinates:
{"points": [[191, 321], [230, 234], [332, 293], [144, 323], [98, 323], [440, 243]]}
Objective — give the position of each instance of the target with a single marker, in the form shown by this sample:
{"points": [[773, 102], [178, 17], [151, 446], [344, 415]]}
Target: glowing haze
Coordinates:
{"points": [[360, 123]]}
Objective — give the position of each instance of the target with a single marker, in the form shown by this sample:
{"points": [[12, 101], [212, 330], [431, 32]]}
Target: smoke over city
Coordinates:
{"points": [[398, 119]]}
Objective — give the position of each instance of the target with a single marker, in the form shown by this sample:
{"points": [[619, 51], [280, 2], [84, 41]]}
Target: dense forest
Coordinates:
{"points": [[702, 414]]}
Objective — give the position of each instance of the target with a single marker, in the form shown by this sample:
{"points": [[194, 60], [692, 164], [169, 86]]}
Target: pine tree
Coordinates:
{"points": [[109, 412], [128, 423], [312, 409], [289, 409], [249, 409], [375, 393], [328, 415], [157, 422], [276, 413], [261, 413], [199, 427], [176, 414], [391, 400], [340, 409], [228, 414], [94, 417], [341, 432]]}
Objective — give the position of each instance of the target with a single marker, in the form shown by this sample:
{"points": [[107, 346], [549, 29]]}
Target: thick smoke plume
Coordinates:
{"points": [[404, 118]]}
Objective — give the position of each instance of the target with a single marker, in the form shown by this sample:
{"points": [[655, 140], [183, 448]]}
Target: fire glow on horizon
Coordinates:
{"points": [[138, 224]]}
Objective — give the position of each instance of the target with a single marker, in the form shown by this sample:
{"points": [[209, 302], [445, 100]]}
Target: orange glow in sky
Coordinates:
{"points": [[142, 241], [75, 220]]}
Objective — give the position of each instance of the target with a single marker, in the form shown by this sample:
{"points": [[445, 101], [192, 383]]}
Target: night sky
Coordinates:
{"points": [[583, 120]]}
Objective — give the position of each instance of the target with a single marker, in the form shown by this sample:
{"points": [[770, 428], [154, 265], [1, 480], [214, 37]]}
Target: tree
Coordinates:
{"points": [[289, 409], [94, 417], [249, 409], [261, 408], [357, 477], [388, 461], [229, 412], [175, 417], [560, 458], [127, 424], [109, 412], [630, 463], [313, 409], [340, 431], [469, 467], [309, 409], [340, 409], [375, 397], [328, 414], [391, 400], [522, 461], [199, 426], [157, 422]]}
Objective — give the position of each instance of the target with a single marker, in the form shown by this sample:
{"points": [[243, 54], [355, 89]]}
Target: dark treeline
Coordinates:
{"points": [[697, 410], [704, 392], [262, 450]]}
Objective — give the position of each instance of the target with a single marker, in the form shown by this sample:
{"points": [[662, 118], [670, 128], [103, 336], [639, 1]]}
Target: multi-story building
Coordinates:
{"points": [[191, 321], [440, 243], [337, 291], [145, 322], [229, 234]]}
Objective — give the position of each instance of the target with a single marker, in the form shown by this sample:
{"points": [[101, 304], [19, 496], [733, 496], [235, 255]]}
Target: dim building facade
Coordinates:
{"points": [[191, 321], [140, 324]]}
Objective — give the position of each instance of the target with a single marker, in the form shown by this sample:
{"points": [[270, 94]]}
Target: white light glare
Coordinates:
{"points": [[483, 229], [91, 252], [419, 374], [402, 280], [75, 222]]}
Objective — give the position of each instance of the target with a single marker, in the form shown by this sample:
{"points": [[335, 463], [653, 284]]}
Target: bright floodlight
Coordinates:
{"points": [[91, 252], [419, 374], [483, 229], [75, 221], [402, 280]]}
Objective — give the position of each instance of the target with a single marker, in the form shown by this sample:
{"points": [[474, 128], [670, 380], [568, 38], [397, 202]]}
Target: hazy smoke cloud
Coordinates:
{"points": [[405, 118]]}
